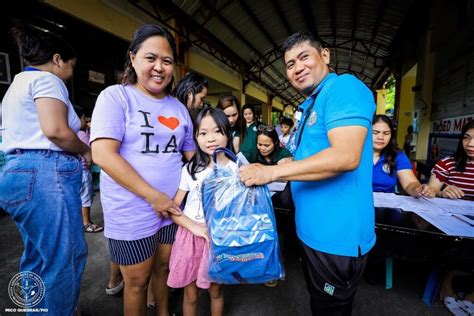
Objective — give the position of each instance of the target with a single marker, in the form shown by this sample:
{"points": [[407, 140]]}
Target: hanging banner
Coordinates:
{"points": [[451, 125]]}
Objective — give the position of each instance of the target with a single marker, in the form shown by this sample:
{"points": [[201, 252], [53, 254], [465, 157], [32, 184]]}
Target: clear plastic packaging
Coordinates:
{"points": [[241, 223]]}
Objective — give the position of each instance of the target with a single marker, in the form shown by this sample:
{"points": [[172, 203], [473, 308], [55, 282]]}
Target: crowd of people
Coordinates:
{"points": [[154, 144]]}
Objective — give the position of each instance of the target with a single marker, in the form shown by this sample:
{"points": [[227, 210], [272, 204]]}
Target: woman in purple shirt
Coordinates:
{"points": [[139, 136]]}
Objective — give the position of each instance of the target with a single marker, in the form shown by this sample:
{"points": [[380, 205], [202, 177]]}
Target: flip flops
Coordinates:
{"points": [[469, 306], [114, 290], [271, 283], [92, 228], [459, 307]]}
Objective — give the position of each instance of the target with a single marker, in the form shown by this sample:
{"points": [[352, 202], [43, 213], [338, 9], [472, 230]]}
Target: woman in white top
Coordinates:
{"points": [[40, 182]]}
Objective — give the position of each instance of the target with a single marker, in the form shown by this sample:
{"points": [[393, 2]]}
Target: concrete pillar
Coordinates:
{"points": [[240, 96], [406, 105], [267, 110], [381, 101], [424, 96]]}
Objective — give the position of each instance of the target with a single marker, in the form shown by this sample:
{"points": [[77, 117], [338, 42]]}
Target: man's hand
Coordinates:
{"points": [[256, 174]]}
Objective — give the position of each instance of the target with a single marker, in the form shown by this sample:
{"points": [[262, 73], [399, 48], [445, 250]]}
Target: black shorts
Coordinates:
{"points": [[331, 280], [130, 252], [167, 233]]}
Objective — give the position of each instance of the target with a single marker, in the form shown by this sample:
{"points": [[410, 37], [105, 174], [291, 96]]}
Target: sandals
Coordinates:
{"points": [[459, 307], [92, 228], [151, 306], [271, 283], [114, 290]]}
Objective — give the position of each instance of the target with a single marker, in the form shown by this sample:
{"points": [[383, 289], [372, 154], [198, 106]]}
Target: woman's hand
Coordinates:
{"points": [[424, 190], [163, 205], [199, 230], [88, 159], [451, 192]]}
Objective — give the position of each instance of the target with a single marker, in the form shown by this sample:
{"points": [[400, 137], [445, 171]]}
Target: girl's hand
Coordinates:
{"points": [[163, 205], [199, 230], [451, 192]]}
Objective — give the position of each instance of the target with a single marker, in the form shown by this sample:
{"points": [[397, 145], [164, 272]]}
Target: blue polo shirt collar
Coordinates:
{"points": [[310, 99]]}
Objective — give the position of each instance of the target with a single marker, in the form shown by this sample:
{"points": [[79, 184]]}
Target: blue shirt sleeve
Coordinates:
{"points": [[349, 103], [402, 162]]}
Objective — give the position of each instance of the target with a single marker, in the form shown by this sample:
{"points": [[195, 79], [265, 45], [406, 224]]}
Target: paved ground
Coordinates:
{"points": [[288, 298]]}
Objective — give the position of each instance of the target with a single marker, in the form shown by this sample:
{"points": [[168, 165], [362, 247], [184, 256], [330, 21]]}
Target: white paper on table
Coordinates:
{"points": [[277, 186], [436, 211]]}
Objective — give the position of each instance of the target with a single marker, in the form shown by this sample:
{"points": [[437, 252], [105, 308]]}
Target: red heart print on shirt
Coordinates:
{"points": [[170, 122]]}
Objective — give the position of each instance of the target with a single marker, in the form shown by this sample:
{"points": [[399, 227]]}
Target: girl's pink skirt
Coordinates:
{"points": [[189, 260]]}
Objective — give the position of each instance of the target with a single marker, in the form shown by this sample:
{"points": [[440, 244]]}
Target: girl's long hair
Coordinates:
{"points": [[391, 150], [191, 83], [460, 156], [228, 101], [201, 160]]}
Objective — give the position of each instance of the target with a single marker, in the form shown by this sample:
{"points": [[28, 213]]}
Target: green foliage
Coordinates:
{"points": [[390, 96]]}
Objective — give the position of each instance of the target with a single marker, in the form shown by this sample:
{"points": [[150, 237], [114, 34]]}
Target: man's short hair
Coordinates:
{"points": [[298, 38], [287, 121]]}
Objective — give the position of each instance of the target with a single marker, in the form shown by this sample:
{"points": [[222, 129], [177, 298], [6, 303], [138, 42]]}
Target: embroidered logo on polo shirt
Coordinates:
{"points": [[312, 118], [328, 288], [386, 168]]}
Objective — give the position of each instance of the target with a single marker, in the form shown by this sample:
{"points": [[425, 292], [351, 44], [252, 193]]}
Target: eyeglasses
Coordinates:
{"points": [[267, 128], [466, 138]]}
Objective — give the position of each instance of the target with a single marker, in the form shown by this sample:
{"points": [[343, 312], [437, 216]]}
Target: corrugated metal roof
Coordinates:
{"points": [[246, 34]]}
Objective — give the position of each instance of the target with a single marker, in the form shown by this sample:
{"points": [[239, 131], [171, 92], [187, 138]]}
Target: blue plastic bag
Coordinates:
{"points": [[244, 241]]}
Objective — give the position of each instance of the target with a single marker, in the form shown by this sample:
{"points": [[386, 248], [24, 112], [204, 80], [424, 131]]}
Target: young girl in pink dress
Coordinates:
{"points": [[190, 253]]}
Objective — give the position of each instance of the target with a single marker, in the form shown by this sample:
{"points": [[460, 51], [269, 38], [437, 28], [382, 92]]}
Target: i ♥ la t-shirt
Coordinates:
{"points": [[153, 134]]}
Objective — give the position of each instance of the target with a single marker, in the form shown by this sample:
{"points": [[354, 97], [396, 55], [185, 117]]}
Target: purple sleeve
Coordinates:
{"points": [[188, 143], [84, 137], [108, 118]]}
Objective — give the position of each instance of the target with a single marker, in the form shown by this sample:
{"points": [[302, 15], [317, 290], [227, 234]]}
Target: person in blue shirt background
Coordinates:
{"points": [[391, 163]]}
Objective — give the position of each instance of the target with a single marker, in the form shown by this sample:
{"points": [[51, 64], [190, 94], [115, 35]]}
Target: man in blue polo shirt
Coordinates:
{"points": [[331, 177]]}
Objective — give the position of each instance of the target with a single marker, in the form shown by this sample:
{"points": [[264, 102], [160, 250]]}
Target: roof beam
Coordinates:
{"points": [[380, 16], [279, 11], [355, 16], [332, 12], [245, 41], [209, 15], [414, 24], [205, 40], [229, 25], [257, 22], [305, 7]]}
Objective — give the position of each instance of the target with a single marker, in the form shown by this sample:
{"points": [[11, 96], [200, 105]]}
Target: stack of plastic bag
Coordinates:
{"points": [[244, 241]]}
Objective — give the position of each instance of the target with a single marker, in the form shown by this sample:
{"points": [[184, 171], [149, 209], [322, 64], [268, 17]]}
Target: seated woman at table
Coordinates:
{"points": [[453, 177], [270, 152], [269, 149], [391, 163]]}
